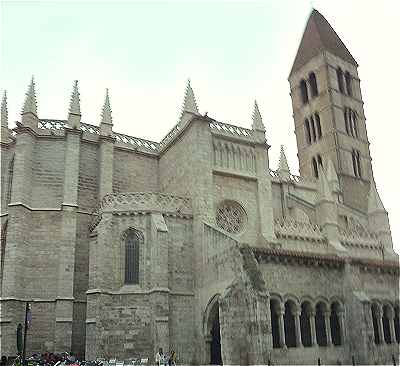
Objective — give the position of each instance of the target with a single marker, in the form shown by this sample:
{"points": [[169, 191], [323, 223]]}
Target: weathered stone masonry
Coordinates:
{"points": [[123, 245]]}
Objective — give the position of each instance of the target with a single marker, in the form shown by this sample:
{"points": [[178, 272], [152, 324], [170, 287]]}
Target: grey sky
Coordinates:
{"points": [[232, 51]]}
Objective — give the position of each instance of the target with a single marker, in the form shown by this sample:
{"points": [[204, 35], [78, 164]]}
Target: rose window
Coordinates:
{"points": [[231, 217]]}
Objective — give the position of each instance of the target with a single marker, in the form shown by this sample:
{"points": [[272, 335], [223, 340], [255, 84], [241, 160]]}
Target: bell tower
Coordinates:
{"points": [[328, 111]]}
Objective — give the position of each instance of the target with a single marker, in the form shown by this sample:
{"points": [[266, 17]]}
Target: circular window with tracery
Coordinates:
{"points": [[231, 217]]}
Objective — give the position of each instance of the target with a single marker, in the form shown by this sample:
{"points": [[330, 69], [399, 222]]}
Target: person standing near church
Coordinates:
{"points": [[159, 357]]}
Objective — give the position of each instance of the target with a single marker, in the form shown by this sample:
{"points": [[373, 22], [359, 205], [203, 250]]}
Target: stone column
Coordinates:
{"points": [[296, 315], [281, 322], [313, 331], [327, 315], [391, 328], [342, 326], [379, 315]]}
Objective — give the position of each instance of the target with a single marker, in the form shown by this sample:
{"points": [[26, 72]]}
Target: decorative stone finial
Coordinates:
{"points": [[283, 164], [332, 176], [374, 201], [74, 115], [257, 119], [30, 99], [324, 190], [106, 118], [189, 104], [75, 105], [4, 110]]}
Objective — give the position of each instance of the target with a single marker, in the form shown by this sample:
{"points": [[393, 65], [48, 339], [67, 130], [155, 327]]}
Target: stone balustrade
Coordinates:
{"points": [[359, 238], [226, 129], [298, 230], [147, 145]]}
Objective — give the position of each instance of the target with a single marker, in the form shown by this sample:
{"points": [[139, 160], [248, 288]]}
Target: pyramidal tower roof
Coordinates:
{"points": [[318, 36]]}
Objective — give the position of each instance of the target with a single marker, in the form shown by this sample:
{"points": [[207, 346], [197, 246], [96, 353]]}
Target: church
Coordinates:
{"points": [[123, 245]]}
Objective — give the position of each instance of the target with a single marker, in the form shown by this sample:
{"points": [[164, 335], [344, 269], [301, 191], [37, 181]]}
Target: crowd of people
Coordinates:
{"points": [[162, 359]]}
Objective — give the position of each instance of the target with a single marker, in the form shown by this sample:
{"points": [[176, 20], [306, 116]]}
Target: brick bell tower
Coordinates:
{"points": [[328, 111]]}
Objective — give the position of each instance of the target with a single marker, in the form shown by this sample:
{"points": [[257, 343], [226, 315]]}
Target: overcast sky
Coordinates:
{"points": [[233, 52]]}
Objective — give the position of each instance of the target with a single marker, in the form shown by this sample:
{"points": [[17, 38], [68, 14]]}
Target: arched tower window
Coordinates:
{"points": [[3, 238], [304, 91], [336, 330], [346, 120], [347, 78], [133, 239], [386, 319], [320, 327], [397, 324], [375, 313], [313, 84], [314, 134], [319, 160], [275, 315], [10, 179], [315, 167], [356, 163], [339, 75], [305, 324], [318, 123], [308, 131], [354, 120], [290, 327]]}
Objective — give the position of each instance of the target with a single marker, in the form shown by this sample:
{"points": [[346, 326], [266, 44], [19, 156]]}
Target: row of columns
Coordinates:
{"points": [[311, 316], [380, 313]]}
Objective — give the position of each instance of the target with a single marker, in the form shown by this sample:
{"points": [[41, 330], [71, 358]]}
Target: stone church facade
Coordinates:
{"points": [[123, 245]]}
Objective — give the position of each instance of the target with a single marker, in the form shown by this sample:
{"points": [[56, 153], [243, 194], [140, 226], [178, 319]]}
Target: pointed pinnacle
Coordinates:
{"points": [[106, 112], [30, 99], [4, 110], [257, 119], [331, 173], [283, 164], [189, 104], [374, 200], [75, 105], [324, 190]]}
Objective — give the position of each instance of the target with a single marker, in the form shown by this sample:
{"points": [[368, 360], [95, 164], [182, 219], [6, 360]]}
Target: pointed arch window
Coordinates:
{"points": [[356, 163], [133, 239], [339, 75], [315, 167], [354, 120], [319, 160], [304, 91], [10, 179], [313, 84], [314, 134], [318, 123], [346, 120], [347, 78], [308, 131]]}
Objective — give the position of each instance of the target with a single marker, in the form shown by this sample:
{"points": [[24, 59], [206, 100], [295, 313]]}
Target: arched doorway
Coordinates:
{"points": [[213, 331]]}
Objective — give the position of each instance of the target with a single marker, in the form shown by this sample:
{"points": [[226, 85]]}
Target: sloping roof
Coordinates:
{"points": [[318, 36]]}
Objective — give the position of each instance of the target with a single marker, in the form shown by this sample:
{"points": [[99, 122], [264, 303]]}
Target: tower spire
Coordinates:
{"points": [[257, 119], [74, 115], [4, 119], [283, 169], [30, 105], [106, 117]]}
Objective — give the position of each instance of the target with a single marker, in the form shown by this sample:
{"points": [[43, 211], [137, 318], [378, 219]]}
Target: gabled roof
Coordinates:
{"points": [[318, 36]]}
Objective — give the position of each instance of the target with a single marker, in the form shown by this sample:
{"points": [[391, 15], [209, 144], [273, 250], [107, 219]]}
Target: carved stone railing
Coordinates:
{"points": [[170, 136], [137, 142], [230, 130], [86, 127], [359, 238], [146, 202], [298, 230], [297, 179], [216, 241], [52, 124]]}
